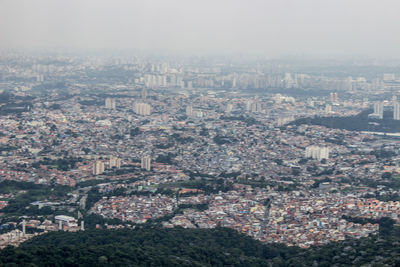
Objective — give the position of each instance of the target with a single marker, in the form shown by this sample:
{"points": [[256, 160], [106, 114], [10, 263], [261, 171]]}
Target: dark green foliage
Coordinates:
{"points": [[229, 175], [360, 122], [134, 131], [182, 140], [55, 106], [91, 102], [144, 247], [200, 207], [64, 164], [392, 182], [165, 146], [92, 182], [150, 245], [248, 120], [93, 196], [220, 140], [318, 182], [93, 219], [383, 153], [208, 186], [204, 132], [6, 148], [167, 159], [34, 192]]}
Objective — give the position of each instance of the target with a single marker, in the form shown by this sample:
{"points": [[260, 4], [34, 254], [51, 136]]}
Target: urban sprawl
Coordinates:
{"points": [[197, 143]]}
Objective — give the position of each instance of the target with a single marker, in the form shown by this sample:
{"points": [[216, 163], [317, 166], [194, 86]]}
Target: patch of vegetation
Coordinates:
{"points": [[359, 122]]}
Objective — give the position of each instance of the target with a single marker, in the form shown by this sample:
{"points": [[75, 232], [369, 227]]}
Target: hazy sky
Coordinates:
{"points": [[266, 27]]}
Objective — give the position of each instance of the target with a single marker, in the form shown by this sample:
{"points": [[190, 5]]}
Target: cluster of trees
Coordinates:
{"points": [[7, 148], [145, 246], [92, 182], [220, 140], [15, 107], [359, 122], [208, 186], [182, 140], [200, 207], [32, 192], [248, 120], [393, 183], [64, 164], [383, 153], [152, 245], [134, 131], [94, 195], [166, 158], [50, 86]]}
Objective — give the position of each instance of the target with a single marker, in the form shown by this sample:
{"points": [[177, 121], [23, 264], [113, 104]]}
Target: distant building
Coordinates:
{"points": [[317, 152], [396, 110], [98, 167], [110, 103], [328, 108], [114, 162], [189, 110], [142, 109], [229, 108], [146, 163], [389, 77], [378, 110], [66, 220]]}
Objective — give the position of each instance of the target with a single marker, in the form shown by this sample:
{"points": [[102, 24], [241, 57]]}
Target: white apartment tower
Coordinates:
{"points": [[98, 167], [317, 152], [110, 103], [189, 110], [114, 162], [146, 163], [396, 110], [229, 108], [378, 109], [328, 108], [142, 109]]}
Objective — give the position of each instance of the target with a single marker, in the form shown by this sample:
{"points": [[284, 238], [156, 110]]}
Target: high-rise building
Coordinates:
{"points": [[114, 162], [328, 108], [142, 109], [189, 110], [389, 77], [317, 152], [146, 163], [98, 167], [396, 110], [229, 108], [378, 110], [23, 227], [110, 103]]}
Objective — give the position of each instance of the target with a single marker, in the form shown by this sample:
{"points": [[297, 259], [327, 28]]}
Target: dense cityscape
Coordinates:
{"points": [[263, 147]]}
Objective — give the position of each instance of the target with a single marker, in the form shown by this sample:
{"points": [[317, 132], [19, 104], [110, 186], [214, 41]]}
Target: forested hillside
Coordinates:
{"points": [[153, 246]]}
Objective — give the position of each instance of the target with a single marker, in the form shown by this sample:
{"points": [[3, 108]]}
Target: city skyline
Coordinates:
{"points": [[308, 28]]}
